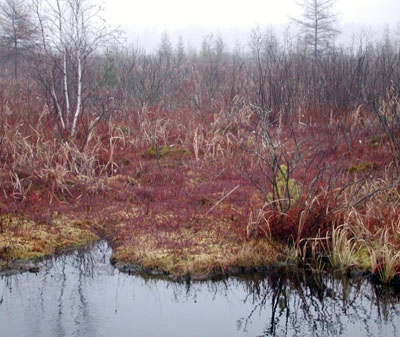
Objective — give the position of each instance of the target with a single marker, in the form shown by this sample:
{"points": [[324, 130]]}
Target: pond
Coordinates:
{"points": [[81, 294]]}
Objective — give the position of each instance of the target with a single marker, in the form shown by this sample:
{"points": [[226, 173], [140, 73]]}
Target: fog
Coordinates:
{"points": [[143, 23]]}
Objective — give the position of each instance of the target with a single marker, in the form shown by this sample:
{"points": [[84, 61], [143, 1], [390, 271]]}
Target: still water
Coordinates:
{"points": [[82, 295]]}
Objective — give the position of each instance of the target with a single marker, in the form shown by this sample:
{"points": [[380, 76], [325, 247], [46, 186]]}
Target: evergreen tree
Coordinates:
{"points": [[318, 24], [17, 33]]}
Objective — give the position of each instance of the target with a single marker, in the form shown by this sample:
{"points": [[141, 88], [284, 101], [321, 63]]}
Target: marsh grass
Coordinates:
{"points": [[385, 259], [342, 248]]}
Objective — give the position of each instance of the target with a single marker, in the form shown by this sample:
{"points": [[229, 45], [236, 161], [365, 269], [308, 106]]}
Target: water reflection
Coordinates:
{"points": [[302, 304], [83, 295]]}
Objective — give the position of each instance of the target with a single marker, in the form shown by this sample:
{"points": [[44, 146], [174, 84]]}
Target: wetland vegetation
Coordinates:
{"points": [[198, 164]]}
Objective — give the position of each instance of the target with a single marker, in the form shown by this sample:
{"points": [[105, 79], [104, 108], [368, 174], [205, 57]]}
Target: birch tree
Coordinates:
{"points": [[71, 32]]}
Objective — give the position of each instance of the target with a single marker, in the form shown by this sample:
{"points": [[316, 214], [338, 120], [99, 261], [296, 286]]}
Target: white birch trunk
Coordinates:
{"points": [[66, 93], [78, 38], [78, 96]]}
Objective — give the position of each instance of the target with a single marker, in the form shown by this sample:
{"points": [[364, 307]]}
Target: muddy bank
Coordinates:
{"points": [[215, 274]]}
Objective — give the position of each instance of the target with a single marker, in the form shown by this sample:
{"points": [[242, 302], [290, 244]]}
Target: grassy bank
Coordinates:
{"points": [[24, 240]]}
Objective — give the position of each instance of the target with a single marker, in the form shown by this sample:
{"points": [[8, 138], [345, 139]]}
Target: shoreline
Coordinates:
{"points": [[216, 274]]}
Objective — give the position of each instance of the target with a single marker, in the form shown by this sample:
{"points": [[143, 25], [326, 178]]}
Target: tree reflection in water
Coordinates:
{"points": [[305, 304], [81, 294]]}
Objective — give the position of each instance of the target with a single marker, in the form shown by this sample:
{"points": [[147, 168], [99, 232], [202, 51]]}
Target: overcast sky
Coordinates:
{"points": [[144, 20]]}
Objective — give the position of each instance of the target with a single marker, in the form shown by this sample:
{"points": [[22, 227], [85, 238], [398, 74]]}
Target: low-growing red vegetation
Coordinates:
{"points": [[166, 179]]}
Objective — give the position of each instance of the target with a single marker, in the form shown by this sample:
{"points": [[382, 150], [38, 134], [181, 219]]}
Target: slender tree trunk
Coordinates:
{"points": [[15, 59], [66, 93], [15, 44], [316, 27], [47, 56], [78, 37], [65, 69], [78, 95], [58, 108]]}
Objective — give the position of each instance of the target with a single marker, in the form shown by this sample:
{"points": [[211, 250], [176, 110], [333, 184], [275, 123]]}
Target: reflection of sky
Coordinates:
{"points": [[85, 296]]}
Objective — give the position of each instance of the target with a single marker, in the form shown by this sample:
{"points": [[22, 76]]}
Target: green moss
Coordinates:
{"points": [[125, 162], [362, 167], [125, 130], [285, 187], [198, 253], [22, 239], [173, 152], [362, 258], [378, 140]]}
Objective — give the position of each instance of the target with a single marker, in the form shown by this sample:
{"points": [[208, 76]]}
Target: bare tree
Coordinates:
{"points": [[318, 24], [71, 32], [17, 32]]}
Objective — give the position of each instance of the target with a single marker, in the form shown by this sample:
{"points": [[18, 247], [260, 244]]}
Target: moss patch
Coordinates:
{"points": [[362, 167], [172, 152], [22, 239], [285, 187], [211, 251], [378, 140], [363, 259]]}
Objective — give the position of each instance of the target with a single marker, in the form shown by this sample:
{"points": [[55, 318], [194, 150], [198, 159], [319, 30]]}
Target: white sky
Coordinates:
{"points": [[147, 18]]}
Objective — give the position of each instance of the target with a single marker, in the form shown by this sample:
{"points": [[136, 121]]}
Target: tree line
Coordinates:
{"points": [[84, 73]]}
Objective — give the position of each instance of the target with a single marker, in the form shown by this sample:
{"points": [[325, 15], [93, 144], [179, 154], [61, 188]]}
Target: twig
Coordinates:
{"points": [[223, 198]]}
